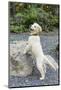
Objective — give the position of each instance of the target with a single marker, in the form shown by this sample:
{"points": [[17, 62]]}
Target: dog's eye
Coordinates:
{"points": [[35, 26]]}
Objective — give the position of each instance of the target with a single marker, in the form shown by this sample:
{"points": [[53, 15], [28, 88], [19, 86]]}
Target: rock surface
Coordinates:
{"points": [[20, 64]]}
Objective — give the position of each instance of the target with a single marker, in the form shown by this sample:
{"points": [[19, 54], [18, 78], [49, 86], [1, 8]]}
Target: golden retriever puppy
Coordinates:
{"points": [[34, 45]]}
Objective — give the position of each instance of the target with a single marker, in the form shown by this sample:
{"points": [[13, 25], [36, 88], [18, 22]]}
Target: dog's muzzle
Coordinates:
{"points": [[31, 29]]}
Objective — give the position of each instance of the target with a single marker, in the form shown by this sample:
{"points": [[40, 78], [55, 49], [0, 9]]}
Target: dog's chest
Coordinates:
{"points": [[36, 49], [34, 39]]}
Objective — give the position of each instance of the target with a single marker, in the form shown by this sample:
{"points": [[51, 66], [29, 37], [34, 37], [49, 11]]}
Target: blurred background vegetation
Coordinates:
{"points": [[22, 15]]}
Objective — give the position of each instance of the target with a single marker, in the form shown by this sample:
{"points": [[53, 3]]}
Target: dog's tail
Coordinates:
{"points": [[51, 62]]}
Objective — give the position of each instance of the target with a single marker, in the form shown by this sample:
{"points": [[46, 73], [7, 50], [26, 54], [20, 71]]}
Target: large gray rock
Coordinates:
{"points": [[20, 64]]}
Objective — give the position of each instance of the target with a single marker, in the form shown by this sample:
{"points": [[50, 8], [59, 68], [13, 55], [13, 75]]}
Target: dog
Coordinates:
{"points": [[34, 45]]}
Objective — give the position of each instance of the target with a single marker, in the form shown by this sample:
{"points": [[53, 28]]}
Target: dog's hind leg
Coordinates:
{"points": [[42, 69]]}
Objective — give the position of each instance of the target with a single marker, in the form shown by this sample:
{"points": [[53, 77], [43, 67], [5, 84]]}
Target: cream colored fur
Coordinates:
{"points": [[34, 45]]}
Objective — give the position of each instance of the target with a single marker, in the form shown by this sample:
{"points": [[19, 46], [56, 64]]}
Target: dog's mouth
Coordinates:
{"points": [[31, 29]]}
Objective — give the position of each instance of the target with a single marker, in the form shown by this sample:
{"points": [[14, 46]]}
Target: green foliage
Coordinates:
{"points": [[27, 14], [18, 29]]}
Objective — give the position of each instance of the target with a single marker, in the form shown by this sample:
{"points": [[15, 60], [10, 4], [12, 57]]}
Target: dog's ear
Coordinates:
{"points": [[40, 29]]}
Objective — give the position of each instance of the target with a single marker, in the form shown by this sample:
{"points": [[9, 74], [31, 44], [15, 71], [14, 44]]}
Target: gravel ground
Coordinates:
{"points": [[49, 42]]}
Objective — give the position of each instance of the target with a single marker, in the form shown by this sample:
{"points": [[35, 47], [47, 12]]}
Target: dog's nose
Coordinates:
{"points": [[31, 29]]}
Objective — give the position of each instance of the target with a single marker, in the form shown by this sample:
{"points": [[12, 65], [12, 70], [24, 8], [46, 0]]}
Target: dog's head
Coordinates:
{"points": [[35, 29]]}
